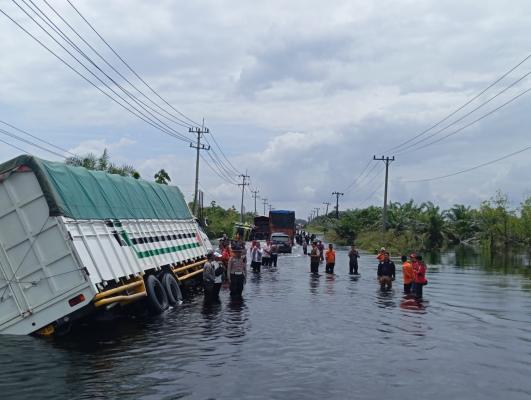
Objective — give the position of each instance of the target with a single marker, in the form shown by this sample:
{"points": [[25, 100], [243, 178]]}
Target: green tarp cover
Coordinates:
{"points": [[79, 193]]}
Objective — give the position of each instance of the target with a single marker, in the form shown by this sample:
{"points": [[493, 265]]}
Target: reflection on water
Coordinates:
{"points": [[333, 337]]}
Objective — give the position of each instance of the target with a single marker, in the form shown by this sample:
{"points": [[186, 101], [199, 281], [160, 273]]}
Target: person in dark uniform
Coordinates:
{"points": [[386, 273], [237, 273], [315, 259], [353, 256]]}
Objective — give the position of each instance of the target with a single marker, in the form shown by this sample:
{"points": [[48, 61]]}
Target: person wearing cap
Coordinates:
{"points": [[353, 256], [236, 273], [407, 274], [315, 259], [330, 256], [256, 256], [386, 273]]}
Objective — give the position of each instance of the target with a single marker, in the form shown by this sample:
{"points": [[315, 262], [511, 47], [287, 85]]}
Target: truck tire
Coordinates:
{"points": [[173, 291], [156, 295]]}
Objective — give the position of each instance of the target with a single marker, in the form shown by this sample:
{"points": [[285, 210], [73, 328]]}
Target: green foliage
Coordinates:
{"points": [[220, 220], [102, 163], [426, 227], [162, 177]]}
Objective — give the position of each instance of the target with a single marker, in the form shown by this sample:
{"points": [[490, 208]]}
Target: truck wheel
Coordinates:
{"points": [[173, 291], [156, 295]]}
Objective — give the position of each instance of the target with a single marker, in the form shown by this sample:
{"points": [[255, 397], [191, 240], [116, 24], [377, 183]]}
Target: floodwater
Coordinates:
{"points": [[298, 337]]}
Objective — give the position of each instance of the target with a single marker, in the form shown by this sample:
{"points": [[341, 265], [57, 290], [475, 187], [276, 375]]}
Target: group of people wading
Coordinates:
{"points": [[413, 269], [413, 273], [229, 264]]}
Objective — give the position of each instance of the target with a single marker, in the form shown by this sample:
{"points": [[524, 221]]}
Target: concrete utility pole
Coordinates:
{"points": [[387, 161], [264, 201], [270, 208], [326, 203], [255, 195], [199, 146], [337, 194], [317, 211], [243, 184]]}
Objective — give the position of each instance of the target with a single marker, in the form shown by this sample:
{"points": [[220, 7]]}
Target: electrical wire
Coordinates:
{"points": [[12, 135], [350, 187], [135, 113], [171, 117], [37, 138], [472, 168], [128, 66], [140, 103], [395, 148], [468, 114]]}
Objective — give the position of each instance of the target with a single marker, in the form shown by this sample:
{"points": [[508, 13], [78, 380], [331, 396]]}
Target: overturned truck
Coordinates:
{"points": [[75, 242]]}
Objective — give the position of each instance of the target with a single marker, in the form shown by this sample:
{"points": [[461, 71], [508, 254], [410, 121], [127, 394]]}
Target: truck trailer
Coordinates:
{"points": [[75, 242], [282, 221]]}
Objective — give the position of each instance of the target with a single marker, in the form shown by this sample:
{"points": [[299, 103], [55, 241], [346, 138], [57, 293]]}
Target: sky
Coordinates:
{"points": [[299, 94]]}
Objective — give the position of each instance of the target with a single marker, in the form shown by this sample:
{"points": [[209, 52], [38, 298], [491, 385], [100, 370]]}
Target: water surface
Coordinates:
{"points": [[295, 336]]}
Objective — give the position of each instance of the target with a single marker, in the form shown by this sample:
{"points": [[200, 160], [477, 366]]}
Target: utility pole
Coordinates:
{"points": [[243, 184], [337, 194], [387, 161], [199, 146], [317, 211], [326, 203], [270, 208], [255, 195], [265, 202]]}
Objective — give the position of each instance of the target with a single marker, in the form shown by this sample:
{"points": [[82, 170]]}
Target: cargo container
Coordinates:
{"points": [[75, 242], [261, 228], [282, 221]]}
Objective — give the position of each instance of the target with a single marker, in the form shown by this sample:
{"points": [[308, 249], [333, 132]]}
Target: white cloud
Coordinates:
{"points": [[301, 93]]}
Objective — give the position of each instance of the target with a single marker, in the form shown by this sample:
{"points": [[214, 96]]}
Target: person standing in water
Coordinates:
{"points": [[386, 273], [209, 277], [330, 256], [407, 274], [266, 254], [420, 277], [304, 247], [256, 256], [237, 273], [320, 246], [315, 259], [274, 255], [353, 256]]}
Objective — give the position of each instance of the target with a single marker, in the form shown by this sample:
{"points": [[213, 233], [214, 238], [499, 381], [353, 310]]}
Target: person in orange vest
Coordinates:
{"points": [[330, 256], [420, 277], [415, 264], [407, 274]]}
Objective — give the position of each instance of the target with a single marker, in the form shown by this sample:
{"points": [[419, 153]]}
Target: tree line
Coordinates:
{"points": [[426, 226]]}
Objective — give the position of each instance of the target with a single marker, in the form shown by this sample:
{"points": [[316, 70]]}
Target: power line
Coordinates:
{"points": [[65, 38], [37, 138], [174, 118], [30, 143], [474, 121], [136, 112], [129, 67], [395, 148], [348, 188], [472, 168], [224, 179], [466, 115]]}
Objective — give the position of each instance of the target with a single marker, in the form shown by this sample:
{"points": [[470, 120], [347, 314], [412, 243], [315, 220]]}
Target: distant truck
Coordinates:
{"points": [[261, 228], [282, 221], [75, 243]]}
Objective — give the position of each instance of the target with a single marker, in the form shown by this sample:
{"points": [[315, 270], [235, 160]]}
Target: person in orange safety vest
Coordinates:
{"points": [[330, 256]]}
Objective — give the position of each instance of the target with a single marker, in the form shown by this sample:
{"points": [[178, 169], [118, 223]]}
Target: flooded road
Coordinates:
{"points": [[294, 336]]}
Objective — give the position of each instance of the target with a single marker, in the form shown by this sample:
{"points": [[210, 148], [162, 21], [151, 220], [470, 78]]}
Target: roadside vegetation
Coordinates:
{"points": [[426, 226]]}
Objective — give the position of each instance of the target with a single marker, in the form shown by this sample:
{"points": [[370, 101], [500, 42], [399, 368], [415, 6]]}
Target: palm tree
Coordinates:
{"points": [[162, 177]]}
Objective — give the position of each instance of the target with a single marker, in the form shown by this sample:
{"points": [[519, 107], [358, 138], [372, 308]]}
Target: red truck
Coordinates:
{"points": [[282, 221]]}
